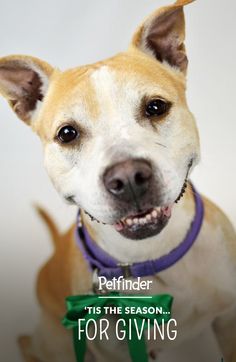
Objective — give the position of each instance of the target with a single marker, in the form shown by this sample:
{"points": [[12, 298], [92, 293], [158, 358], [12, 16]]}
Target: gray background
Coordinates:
{"points": [[70, 33]]}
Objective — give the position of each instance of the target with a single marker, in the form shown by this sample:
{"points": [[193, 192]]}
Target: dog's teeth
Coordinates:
{"points": [[143, 220], [129, 222], [154, 213]]}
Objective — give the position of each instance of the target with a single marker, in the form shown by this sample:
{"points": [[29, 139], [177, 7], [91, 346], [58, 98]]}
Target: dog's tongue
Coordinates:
{"points": [[149, 217]]}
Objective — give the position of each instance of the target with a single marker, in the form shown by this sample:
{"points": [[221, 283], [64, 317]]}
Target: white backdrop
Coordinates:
{"points": [[67, 33]]}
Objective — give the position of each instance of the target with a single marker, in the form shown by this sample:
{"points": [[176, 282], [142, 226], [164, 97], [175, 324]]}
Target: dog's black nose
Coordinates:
{"points": [[128, 180]]}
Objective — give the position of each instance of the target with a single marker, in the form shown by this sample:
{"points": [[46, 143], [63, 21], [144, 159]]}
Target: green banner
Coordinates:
{"points": [[77, 307]]}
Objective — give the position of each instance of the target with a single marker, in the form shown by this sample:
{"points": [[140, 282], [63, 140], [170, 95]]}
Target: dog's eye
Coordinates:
{"points": [[156, 107], [67, 134]]}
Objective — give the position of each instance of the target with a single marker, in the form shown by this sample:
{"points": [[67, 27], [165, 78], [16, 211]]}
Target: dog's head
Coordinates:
{"points": [[118, 136]]}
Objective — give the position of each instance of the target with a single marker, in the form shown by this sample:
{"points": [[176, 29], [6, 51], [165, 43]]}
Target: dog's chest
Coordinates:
{"points": [[201, 289]]}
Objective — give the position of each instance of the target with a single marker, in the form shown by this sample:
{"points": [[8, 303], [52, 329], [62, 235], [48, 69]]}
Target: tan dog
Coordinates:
{"points": [[120, 141]]}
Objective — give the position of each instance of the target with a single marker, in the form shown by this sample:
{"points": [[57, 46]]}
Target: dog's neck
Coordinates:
{"points": [[130, 251]]}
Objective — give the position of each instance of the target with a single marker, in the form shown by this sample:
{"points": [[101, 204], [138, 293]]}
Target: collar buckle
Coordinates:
{"points": [[126, 269]]}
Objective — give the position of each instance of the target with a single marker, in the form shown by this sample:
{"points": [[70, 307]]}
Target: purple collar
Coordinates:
{"points": [[107, 266]]}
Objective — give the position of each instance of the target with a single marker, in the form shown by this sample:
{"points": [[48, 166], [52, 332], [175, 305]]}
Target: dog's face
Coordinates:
{"points": [[118, 137], [120, 141]]}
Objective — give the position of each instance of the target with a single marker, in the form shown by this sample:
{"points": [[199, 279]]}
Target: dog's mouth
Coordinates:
{"points": [[146, 223]]}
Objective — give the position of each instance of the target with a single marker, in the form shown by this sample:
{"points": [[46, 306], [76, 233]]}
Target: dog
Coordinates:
{"points": [[120, 142]]}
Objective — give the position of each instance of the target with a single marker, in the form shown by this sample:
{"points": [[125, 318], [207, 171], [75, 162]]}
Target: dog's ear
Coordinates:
{"points": [[24, 82], [162, 35]]}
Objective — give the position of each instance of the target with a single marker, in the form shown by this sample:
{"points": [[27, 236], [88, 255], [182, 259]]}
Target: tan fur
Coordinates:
{"points": [[54, 280], [65, 86]]}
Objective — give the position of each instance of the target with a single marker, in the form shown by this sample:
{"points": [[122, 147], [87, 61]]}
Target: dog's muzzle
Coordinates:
{"points": [[137, 196]]}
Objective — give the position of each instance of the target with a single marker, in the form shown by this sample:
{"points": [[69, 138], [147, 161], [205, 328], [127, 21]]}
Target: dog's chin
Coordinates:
{"points": [[145, 224]]}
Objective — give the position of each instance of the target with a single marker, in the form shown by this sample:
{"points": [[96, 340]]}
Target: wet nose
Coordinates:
{"points": [[128, 180]]}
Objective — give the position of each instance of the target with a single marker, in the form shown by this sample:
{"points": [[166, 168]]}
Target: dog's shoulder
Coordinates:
{"points": [[215, 221], [214, 216]]}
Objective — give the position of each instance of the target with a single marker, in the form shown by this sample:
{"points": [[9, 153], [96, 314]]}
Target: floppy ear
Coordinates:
{"points": [[24, 82], [162, 35]]}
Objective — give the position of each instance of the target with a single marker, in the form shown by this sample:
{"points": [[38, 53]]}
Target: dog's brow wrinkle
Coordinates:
{"points": [[160, 144]]}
